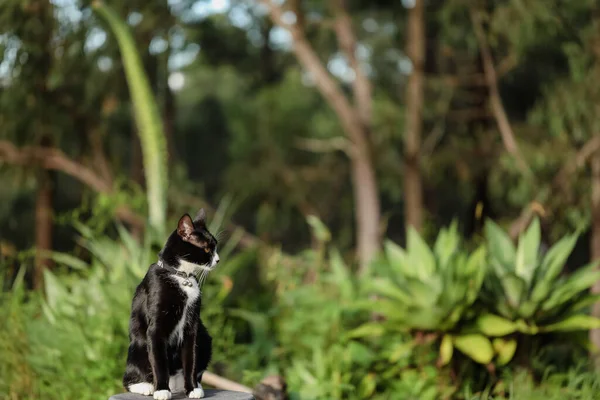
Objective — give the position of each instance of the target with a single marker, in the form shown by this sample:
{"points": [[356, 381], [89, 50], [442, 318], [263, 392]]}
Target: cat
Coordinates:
{"points": [[169, 347]]}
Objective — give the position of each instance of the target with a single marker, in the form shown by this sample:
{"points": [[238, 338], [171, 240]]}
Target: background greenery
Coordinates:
{"points": [[452, 306]]}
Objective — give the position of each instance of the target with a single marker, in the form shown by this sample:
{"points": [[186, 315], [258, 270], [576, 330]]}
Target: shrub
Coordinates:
{"points": [[525, 288], [432, 290]]}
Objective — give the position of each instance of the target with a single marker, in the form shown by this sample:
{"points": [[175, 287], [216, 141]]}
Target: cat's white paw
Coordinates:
{"points": [[144, 388], [162, 395], [197, 393]]}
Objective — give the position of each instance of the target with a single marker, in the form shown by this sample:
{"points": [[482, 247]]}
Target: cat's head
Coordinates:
{"points": [[191, 246]]}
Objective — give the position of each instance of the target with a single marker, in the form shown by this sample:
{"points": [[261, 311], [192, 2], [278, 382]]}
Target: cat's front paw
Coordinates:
{"points": [[143, 388], [197, 393], [162, 395]]}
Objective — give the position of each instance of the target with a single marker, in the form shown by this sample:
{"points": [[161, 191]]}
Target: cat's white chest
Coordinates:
{"points": [[191, 293]]}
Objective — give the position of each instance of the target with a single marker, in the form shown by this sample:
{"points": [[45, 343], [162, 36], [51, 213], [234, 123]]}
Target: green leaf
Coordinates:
{"points": [[420, 255], [68, 260], [319, 229], [398, 259], [574, 323], [551, 266], [423, 294], [370, 329], [367, 386], [477, 347], [505, 349], [385, 287], [391, 310], [341, 274], [446, 244], [446, 349], [56, 293], [401, 350], [541, 290], [527, 309], [527, 251], [555, 258], [584, 302], [360, 354], [424, 318], [493, 325], [500, 246], [475, 262], [147, 118], [581, 280], [478, 268], [514, 288]]}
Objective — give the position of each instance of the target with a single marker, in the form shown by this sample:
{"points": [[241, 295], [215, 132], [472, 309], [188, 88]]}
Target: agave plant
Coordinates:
{"points": [[526, 290], [430, 290]]}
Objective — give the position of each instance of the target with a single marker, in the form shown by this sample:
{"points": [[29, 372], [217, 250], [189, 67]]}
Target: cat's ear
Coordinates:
{"points": [[200, 218], [185, 227]]}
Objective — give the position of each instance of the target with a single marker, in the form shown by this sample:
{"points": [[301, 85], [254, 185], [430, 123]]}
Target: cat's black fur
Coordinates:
{"points": [[158, 305]]}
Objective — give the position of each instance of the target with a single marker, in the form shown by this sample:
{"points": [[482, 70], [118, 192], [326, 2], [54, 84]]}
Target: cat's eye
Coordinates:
{"points": [[206, 250]]}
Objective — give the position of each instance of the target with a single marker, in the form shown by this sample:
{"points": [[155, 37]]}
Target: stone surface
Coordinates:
{"points": [[208, 394]]}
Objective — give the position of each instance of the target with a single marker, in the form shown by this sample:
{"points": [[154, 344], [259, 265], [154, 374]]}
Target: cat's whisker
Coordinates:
{"points": [[221, 234], [203, 277]]}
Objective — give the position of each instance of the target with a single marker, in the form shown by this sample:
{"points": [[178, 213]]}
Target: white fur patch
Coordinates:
{"points": [[144, 388], [191, 268], [192, 292], [176, 382], [197, 393], [188, 267], [162, 395]]}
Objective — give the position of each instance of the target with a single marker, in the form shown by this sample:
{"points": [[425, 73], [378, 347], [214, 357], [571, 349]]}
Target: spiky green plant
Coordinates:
{"points": [[432, 290], [525, 288], [147, 118]]}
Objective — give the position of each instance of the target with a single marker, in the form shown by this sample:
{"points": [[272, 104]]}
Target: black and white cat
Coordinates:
{"points": [[169, 346]]}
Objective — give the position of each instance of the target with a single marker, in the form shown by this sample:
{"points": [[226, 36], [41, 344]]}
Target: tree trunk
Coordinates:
{"points": [[415, 49], [366, 207], [595, 248], [44, 11], [355, 120], [43, 226]]}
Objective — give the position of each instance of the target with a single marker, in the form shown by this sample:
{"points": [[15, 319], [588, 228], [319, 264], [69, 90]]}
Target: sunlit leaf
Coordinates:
{"points": [[505, 349], [420, 255], [367, 330], [573, 323], [319, 229], [500, 246], [493, 325], [477, 347], [527, 251], [446, 348]]}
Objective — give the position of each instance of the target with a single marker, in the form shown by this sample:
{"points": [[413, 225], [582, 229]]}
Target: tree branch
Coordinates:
{"points": [[51, 158], [361, 85], [325, 83], [491, 77], [54, 159], [559, 183], [339, 143], [223, 383]]}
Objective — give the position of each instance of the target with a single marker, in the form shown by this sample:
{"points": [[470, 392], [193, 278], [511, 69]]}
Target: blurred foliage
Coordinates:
{"points": [[526, 288], [312, 327], [241, 121]]}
